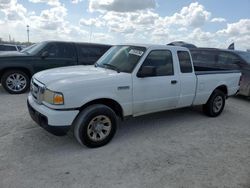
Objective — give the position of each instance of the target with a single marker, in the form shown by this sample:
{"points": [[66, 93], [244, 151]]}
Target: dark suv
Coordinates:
{"points": [[226, 59], [16, 68]]}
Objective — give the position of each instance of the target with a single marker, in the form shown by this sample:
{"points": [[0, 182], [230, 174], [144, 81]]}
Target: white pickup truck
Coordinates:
{"points": [[128, 80]]}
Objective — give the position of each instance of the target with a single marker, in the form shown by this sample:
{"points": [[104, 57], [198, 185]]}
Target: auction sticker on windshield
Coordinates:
{"points": [[136, 52]]}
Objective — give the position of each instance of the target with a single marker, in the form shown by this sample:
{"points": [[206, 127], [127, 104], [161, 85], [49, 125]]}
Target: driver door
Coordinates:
{"points": [[158, 90]]}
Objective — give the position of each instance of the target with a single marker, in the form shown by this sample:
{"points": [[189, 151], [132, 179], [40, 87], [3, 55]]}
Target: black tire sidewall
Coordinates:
{"points": [[210, 103], [6, 75], [86, 116]]}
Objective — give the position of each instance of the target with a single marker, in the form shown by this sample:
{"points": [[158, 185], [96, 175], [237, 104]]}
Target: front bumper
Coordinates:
{"points": [[57, 122]]}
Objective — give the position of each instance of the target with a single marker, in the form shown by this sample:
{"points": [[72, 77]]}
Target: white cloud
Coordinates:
{"points": [[16, 13], [53, 17], [50, 24], [121, 5], [50, 19], [76, 1], [49, 2], [148, 22], [102, 38], [239, 32], [218, 20], [5, 3], [13, 11], [182, 29], [194, 15], [242, 27], [138, 22], [201, 38], [91, 22], [240, 42]]}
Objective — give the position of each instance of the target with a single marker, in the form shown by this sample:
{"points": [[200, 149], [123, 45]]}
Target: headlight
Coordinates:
{"points": [[52, 97]]}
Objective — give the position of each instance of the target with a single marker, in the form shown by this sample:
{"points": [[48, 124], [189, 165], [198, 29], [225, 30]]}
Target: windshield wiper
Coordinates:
{"points": [[112, 67]]}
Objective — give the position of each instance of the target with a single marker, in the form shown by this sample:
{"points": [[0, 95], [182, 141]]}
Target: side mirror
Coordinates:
{"points": [[44, 54], [146, 71]]}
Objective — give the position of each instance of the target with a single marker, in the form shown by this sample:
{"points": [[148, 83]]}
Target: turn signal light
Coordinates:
{"points": [[58, 99]]}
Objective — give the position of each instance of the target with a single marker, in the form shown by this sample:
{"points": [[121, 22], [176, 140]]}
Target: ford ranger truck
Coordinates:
{"points": [[128, 80]]}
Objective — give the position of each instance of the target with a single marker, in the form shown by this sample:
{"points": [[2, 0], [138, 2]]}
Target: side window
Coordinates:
{"points": [[202, 57], [9, 48], [66, 51], [89, 54], [89, 51], [161, 61], [53, 50], [185, 62], [227, 58]]}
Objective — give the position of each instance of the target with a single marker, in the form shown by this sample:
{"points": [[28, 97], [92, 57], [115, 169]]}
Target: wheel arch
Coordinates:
{"points": [[222, 88], [25, 70], [114, 105]]}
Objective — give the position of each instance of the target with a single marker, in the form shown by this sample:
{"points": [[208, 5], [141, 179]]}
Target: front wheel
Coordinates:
{"points": [[215, 104], [95, 126], [15, 81]]}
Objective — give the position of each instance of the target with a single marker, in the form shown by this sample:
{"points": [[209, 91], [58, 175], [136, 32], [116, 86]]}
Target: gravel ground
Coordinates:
{"points": [[180, 148]]}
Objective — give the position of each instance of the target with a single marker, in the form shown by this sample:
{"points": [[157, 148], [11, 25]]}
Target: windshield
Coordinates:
{"points": [[27, 48], [245, 56], [121, 58], [35, 48]]}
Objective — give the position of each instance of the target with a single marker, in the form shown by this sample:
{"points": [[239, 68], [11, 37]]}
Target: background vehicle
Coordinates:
{"points": [[182, 44], [10, 47], [128, 80], [16, 68], [226, 59]]}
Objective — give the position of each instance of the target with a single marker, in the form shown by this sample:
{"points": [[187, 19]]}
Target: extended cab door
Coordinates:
{"points": [[156, 87], [187, 79]]}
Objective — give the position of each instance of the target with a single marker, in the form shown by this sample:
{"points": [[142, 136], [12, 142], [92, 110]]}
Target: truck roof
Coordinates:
{"points": [[89, 43], [155, 46], [216, 49]]}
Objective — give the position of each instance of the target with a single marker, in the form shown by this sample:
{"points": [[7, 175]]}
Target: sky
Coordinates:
{"points": [[205, 23]]}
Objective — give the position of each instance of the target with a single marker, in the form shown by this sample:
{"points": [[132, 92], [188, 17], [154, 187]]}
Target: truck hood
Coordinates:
{"points": [[59, 78]]}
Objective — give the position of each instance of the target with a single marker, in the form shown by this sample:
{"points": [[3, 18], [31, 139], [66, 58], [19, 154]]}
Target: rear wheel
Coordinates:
{"points": [[95, 126], [215, 104], [15, 81]]}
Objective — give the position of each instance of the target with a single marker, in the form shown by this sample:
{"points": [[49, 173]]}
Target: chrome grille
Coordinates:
{"points": [[37, 90]]}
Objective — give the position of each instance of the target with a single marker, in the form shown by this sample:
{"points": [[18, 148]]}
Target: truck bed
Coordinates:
{"points": [[209, 78], [199, 70]]}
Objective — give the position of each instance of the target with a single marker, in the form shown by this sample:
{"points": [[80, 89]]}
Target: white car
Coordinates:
{"points": [[128, 80]]}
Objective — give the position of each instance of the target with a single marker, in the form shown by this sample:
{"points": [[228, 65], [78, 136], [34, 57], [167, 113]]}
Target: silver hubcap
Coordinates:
{"points": [[99, 128], [16, 82], [217, 104]]}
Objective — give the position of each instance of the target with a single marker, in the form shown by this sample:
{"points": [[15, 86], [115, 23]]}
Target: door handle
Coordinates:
{"points": [[173, 81]]}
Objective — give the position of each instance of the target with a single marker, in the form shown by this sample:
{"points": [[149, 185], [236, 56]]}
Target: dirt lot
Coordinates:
{"points": [[181, 148]]}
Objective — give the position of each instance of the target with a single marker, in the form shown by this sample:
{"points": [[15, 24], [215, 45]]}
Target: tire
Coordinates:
{"points": [[95, 126], [215, 104], [15, 81]]}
